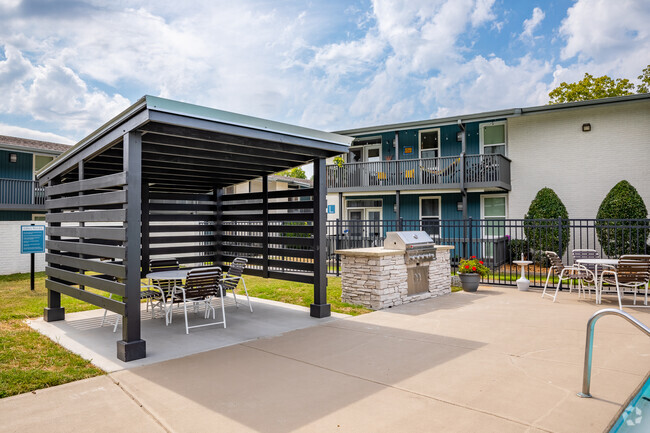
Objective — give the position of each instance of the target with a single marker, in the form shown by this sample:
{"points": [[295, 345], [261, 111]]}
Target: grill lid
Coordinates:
{"points": [[408, 240]]}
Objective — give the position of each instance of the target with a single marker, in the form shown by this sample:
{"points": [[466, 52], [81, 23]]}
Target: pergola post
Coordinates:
{"points": [[54, 311], [320, 308], [131, 346]]}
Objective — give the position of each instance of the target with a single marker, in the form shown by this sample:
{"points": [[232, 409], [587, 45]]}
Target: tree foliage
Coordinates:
{"points": [[644, 87], [591, 88], [623, 202], [296, 172], [541, 223]]}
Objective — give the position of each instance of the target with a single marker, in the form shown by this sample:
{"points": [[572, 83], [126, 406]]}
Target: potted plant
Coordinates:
{"points": [[470, 272]]}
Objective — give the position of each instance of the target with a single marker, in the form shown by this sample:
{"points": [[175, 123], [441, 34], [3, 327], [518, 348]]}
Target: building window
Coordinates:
{"points": [[365, 150], [365, 221], [430, 143], [430, 215], [493, 138]]}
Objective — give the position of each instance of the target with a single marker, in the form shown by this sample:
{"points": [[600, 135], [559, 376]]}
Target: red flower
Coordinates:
{"points": [[473, 268], [480, 261], [473, 257], [466, 266]]}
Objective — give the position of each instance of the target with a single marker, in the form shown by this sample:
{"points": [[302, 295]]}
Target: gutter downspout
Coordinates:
{"points": [[463, 150]]}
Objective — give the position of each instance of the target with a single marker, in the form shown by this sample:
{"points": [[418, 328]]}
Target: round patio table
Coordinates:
{"points": [[596, 263]]}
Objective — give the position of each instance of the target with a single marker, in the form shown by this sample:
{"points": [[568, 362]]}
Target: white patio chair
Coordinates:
{"points": [[565, 273], [201, 286], [233, 277], [633, 272]]}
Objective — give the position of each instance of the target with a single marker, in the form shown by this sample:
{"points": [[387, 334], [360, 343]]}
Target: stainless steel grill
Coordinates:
{"points": [[419, 250], [418, 247]]}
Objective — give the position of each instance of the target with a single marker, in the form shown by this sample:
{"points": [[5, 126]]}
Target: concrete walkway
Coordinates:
{"points": [[495, 361]]}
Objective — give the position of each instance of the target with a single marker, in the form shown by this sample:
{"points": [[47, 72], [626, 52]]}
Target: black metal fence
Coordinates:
{"points": [[499, 242]]}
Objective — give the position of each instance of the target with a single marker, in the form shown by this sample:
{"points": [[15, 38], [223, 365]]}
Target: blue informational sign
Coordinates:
{"points": [[32, 239], [331, 208]]}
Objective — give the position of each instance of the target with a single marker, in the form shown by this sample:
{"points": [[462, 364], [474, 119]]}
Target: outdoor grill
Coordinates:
{"points": [[419, 250]]}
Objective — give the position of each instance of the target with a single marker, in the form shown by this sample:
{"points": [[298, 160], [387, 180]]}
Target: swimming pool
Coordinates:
{"points": [[636, 416]]}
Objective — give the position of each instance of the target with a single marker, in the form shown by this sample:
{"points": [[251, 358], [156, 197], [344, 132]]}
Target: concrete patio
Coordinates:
{"points": [[495, 361]]}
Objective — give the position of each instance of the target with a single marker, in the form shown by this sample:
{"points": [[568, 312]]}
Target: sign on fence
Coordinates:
{"points": [[32, 239]]}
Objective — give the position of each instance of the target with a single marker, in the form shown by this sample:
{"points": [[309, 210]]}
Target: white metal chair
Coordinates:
{"points": [[565, 273], [589, 277], [233, 277], [201, 286], [633, 272]]}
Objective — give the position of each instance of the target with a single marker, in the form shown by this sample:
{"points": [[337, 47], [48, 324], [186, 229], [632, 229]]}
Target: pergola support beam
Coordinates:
{"points": [[320, 308], [132, 347], [54, 311]]}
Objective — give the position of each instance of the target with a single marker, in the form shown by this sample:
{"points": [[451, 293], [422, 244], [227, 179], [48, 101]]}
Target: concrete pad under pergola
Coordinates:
{"points": [[149, 184]]}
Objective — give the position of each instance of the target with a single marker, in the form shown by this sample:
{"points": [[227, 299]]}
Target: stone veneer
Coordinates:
{"points": [[376, 277]]}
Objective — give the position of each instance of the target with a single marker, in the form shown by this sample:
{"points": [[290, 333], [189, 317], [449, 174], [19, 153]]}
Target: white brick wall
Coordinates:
{"points": [[551, 150], [11, 261]]}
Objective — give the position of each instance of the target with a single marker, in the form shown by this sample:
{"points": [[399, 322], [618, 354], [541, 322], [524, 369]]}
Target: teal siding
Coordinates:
{"points": [[10, 215], [22, 169]]}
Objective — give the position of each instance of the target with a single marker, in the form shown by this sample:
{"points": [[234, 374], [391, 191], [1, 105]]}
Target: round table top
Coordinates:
{"points": [[178, 274], [598, 261], [522, 262]]}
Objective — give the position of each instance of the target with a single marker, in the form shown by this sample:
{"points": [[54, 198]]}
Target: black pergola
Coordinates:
{"points": [[149, 184]]}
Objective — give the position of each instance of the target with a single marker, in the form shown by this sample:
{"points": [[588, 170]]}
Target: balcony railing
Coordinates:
{"points": [[452, 172], [18, 194]]}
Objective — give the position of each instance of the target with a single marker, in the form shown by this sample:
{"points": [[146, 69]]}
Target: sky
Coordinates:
{"points": [[68, 66]]}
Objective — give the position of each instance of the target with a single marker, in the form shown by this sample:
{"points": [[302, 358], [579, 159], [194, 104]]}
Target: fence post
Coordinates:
{"points": [[338, 240], [559, 237], [400, 224], [471, 236]]}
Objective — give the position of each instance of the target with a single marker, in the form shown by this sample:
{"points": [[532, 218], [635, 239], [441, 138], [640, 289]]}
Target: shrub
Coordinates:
{"points": [[622, 237], [517, 247], [541, 223]]}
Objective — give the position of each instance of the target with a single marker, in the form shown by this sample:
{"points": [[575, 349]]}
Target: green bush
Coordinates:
{"points": [[541, 224], [517, 247], [622, 237]]}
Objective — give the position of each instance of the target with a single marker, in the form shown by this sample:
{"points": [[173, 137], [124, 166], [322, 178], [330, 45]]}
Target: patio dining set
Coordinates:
{"points": [[628, 274], [170, 285]]}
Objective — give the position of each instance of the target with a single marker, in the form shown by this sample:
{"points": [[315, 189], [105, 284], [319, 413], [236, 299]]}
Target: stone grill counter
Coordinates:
{"points": [[376, 277]]}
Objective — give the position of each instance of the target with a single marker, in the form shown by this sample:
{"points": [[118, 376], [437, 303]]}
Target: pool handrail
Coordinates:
{"points": [[591, 323]]}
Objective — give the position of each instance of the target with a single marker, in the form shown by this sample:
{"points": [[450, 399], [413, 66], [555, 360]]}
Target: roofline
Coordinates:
{"points": [[491, 115], [138, 106], [153, 104], [27, 149]]}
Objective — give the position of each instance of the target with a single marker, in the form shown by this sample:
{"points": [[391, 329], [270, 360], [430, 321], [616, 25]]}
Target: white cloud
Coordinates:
{"points": [[607, 38], [18, 131], [531, 24]]}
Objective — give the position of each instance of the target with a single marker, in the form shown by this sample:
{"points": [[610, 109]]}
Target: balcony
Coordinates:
{"points": [[472, 171], [21, 195]]}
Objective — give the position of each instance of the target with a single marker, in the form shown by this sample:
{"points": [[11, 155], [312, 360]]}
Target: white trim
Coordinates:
{"points": [[364, 148], [481, 126], [420, 141], [484, 196], [439, 205]]}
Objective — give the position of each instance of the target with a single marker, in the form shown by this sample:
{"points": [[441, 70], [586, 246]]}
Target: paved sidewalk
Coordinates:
{"points": [[495, 361]]}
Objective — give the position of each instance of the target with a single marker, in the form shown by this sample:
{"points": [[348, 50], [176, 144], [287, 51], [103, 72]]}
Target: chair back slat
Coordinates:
{"points": [[586, 254], [632, 269], [235, 273], [555, 260], [203, 282]]}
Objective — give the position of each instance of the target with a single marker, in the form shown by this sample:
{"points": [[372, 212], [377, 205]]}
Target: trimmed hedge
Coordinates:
{"points": [[541, 224], [623, 237]]}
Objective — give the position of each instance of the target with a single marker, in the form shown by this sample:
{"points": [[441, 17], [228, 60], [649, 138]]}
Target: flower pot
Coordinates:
{"points": [[469, 282]]}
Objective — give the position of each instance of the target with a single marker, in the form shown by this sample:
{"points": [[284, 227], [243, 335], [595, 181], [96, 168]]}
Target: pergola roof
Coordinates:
{"points": [[187, 147]]}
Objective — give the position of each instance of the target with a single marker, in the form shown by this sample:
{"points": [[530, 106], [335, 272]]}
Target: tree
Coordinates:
{"points": [[617, 237], [296, 172], [591, 88], [541, 223], [644, 87]]}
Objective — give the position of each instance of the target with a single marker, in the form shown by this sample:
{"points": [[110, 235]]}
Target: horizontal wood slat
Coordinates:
{"points": [[112, 233], [180, 239], [281, 240], [242, 249], [111, 180], [87, 280], [182, 228], [118, 215], [290, 193], [153, 207], [289, 252], [287, 264], [179, 217], [292, 205], [83, 295], [297, 277], [181, 250], [273, 228], [186, 197], [90, 249], [112, 269], [106, 198], [246, 196]]}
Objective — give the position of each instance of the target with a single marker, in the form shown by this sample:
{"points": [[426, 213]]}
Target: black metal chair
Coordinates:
{"points": [[233, 277]]}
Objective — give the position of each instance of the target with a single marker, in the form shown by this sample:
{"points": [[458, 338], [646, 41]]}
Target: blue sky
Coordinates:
{"points": [[68, 66]]}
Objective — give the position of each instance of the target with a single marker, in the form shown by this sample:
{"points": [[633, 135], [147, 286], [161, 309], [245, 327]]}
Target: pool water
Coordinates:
{"points": [[636, 416]]}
